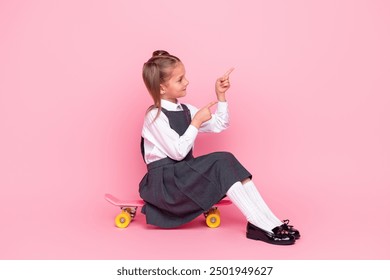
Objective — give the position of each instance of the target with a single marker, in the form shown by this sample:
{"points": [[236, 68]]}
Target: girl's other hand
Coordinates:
{"points": [[203, 115], [222, 85]]}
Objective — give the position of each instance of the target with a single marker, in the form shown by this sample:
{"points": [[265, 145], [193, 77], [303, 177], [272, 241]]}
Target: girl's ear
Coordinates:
{"points": [[162, 89]]}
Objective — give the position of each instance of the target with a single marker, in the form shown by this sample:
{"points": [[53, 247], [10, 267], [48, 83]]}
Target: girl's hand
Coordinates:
{"points": [[222, 85], [203, 115]]}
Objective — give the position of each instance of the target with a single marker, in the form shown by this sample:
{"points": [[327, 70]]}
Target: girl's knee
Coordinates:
{"points": [[246, 180]]}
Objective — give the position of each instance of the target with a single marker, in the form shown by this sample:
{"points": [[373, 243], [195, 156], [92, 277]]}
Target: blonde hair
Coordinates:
{"points": [[156, 71]]}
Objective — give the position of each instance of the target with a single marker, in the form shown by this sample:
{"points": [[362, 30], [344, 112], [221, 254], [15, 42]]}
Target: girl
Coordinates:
{"points": [[178, 187]]}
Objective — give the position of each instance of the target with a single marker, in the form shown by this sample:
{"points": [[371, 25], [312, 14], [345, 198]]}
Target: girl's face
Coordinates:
{"points": [[177, 84]]}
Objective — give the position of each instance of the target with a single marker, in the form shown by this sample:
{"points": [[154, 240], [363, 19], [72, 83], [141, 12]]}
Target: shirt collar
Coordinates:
{"points": [[170, 106]]}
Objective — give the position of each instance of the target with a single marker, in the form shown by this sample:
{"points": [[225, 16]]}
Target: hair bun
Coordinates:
{"points": [[160, 52]]}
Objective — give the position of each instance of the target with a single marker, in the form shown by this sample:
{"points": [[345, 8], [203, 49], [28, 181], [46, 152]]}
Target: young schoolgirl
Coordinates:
{"points": [[179, 187]]}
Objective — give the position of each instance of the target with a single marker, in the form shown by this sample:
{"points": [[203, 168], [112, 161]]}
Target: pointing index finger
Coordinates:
{"points": [[228, 72], [211, 104]]}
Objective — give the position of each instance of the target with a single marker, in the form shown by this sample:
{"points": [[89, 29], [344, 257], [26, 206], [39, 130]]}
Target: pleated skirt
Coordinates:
{"points": [[176, 192]]}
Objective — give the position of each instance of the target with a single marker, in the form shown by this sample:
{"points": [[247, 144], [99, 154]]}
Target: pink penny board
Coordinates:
{"points": [[123, 203], [139, 202], [129, 210]]}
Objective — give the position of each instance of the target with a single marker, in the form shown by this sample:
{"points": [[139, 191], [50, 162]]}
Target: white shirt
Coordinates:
{"points": [[161, 141]]}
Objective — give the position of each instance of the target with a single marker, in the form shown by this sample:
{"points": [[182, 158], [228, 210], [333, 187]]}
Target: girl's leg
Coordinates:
{"points": [[248, 206], [258, 200]]}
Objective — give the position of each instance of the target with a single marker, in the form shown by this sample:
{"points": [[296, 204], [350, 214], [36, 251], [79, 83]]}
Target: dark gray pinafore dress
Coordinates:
{"points": [[176, 192]]}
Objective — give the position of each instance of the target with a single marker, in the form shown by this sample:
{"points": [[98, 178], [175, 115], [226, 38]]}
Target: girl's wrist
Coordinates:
{"points": [[196, 123], [221, 97]]}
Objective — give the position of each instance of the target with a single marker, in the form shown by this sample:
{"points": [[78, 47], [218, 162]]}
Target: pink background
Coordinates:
{"points": [[310, 117]]}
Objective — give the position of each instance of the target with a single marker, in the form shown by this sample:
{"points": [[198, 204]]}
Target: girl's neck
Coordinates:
{"points": [[173, 100]]}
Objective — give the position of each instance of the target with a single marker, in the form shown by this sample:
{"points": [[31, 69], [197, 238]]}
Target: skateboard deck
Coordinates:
{"points": [[129, 211]]}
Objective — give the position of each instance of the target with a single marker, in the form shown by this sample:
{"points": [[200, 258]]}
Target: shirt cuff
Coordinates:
{"points": [[222, 106]]}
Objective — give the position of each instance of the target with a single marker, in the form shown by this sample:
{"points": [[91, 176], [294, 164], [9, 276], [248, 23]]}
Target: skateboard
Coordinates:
{"points": [[129, 211]]}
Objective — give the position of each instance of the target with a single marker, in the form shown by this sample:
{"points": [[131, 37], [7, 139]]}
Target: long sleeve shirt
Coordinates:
{"points": [[161, 141]]}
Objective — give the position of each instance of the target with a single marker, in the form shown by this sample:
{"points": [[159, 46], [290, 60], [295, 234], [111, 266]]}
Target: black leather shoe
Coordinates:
{"points": [[278, 237], [291, 230]]}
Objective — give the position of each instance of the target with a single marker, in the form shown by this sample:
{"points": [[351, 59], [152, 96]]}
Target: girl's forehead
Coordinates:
{"points": [[178, 69]]}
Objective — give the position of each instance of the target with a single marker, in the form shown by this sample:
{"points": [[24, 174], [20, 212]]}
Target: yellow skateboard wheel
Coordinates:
{"points": [[123, 220], [213, 219]]}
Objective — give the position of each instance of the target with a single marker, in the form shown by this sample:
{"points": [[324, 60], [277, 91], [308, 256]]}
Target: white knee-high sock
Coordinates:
{"points": [[240, 197], [256, 197]]}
